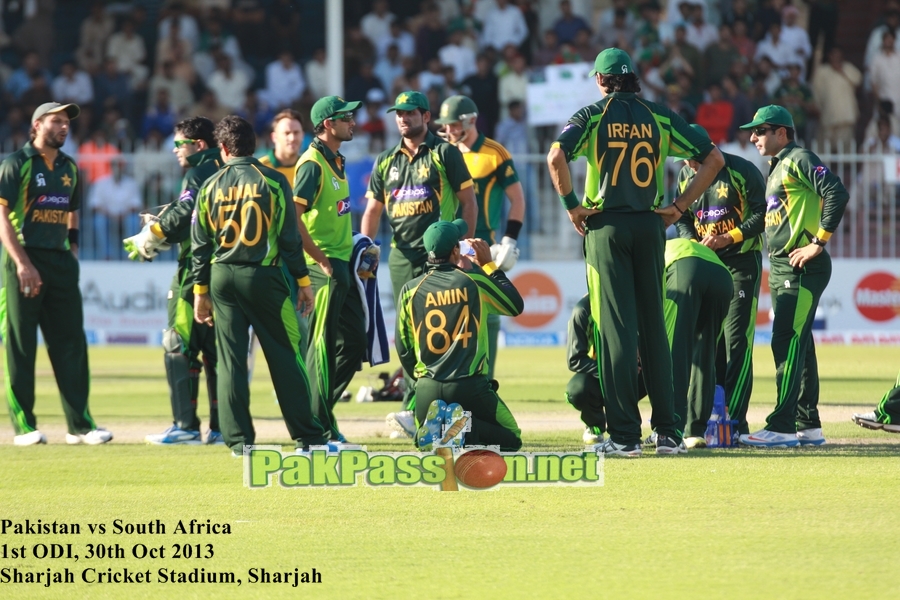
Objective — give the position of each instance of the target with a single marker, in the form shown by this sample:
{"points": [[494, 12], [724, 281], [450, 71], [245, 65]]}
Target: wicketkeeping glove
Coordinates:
{"points": [[145, 245], [505, 254]]}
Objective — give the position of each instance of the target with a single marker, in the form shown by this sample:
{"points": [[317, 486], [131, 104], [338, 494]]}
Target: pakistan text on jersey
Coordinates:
{"points": [[715, 228], [50, 216], [628, 130], [410, 209], [773, 219], [454, 296]]}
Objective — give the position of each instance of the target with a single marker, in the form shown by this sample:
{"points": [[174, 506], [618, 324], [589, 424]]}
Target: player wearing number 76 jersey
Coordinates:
{"points": [[626, 140]]}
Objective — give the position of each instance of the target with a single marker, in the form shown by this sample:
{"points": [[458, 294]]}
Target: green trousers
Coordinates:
{"points": [[795, 296], [403, 269], [624, 254], [888, 410], [338, 343], [734, 360], [195, 339], [583, 393], [59, 312], [492, 422], [245, 296], [698, 293]]}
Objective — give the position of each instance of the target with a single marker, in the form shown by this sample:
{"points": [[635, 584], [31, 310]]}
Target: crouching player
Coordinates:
{"points": [[583, 390], [442, 335]]}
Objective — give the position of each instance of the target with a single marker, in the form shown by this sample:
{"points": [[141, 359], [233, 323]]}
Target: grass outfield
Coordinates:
{"points": [[739, 523]]}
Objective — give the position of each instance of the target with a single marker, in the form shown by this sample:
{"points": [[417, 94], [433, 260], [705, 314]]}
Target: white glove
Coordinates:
{"points": [[145, 245], [505, 254]]}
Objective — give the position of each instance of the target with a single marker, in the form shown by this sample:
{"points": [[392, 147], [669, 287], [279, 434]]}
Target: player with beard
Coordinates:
{"points": [[287, 139], [322, 200], [40, 194]]}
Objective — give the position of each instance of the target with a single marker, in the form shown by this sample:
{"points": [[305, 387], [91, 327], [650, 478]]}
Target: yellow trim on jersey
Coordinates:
{"points": [[465, 184], [200, 289], [157, 230], [301, 201], [736, 235], [823, 235], [304, 281], [4, 202], [489, 268]]}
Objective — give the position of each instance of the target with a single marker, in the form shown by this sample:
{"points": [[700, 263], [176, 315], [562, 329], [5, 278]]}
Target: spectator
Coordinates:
{"points": [[871, 179], [176, 48], [766, 14], [449, 9], [609, 16], [20, 80], [739, 12], [32, 35], [646, 32], [675, 103], [115, 200], [716, 114], [795, 38], [482, 87], [400, 37], [160, 115], [457, 55], [116, 128], [317, 74], [389, 68], [185, 24], [284, 82], [14, 130], [823, 20], [568, 24], [72, 85], [95, 30], [743, 109], [884, 75], [549, 50], [584, 47], [213, 41], [209, 107], [742, 147], [680, 14], [718, 57], [797, 98], [532, 22], [469, 25], [513, 85], [112, 87], [701, 33], [229, 84], [743, 42], [684, 51], [503, 25], [377, 24], [95, 156], [127, 48], [431, 35], [372, 121], [180, 93], [432, 77], [258, 113], [771, 77], [248, 20], [891, 23], [357, 49], [834, 88], [512, 131], [619, 34], [284, 23], [775, 49], [365, 80]]}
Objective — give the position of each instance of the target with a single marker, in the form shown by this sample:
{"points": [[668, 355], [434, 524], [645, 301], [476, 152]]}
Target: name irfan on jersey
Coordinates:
{"points": [[629, 130]]}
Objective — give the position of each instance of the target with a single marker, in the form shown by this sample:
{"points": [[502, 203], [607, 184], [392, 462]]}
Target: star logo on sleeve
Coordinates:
{"points": [[722, 191], [66, 180]]}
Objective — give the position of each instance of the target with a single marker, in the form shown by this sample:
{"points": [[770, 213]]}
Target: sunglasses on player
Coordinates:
{"points": [[347, 116], [761, 131], [180, 143]]}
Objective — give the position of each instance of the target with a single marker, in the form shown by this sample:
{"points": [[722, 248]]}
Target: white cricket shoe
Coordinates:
{"points": [[592, 435], [610, 448], [868, 420], [93, 437], [174, 435], [770, 439], [403, 421], [810, 437], [30, 439]]}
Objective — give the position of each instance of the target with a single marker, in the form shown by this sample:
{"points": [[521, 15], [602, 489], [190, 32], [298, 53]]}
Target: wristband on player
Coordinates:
{"points": [[569, 201], [678, 208], [74, 236], [513, 228]]}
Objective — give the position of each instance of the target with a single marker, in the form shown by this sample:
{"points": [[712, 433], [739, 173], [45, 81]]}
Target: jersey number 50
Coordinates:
{"points": [[252, 217], [636, 162], [437, 340]]}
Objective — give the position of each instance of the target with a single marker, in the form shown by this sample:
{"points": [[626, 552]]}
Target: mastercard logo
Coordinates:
{"points": [[877, 296], [543, 299]]}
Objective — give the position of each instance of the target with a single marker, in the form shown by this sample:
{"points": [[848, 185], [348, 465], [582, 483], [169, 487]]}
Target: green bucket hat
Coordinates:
{"points": [[612, 61], [455, 109], [327, 107], [442, 237], [410, 100], [771, 115]]}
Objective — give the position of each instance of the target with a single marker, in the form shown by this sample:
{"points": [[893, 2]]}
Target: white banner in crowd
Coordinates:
{"points": [[126, 303], [566, 90]]}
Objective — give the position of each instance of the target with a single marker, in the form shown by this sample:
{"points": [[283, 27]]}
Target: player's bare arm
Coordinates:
{"points": [[309, 246], [203, 309], [306, 299], [516, 196], [562, 181], [707, 172], [469, 208], [29, 279]]}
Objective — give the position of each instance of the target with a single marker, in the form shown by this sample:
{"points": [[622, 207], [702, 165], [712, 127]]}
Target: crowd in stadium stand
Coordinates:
{"points": [[138, 67]]}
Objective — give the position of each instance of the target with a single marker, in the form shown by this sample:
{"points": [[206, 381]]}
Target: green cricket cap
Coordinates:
{"points": [[71, 110], [327, 107], [442, 237], [612, 61], [456, 108], [771, 115], [410, 100]]}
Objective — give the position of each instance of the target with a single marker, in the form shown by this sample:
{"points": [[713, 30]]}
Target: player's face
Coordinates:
{"points": [[455, 132], [411, 123], [184, 147], [53, 129], [765, 138], [287, 136], [342, 125]]}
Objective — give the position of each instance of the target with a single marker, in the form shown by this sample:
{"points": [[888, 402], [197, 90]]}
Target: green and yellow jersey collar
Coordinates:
{"points": [[429, 142], [203, 156]]}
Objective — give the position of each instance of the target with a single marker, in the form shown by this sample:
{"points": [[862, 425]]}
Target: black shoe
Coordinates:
{"points": [[667, 445]]}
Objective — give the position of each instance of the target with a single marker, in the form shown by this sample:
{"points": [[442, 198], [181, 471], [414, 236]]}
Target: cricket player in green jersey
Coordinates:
{"points": [[583, 390], [886, 415], [184, 339], [322, 198], [698, 293], [626, 140], [244, 227], [804, 205], [494, 178], [420, 181], [729, 218], [40, 194], [441, 338]]}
